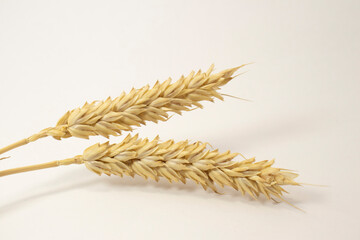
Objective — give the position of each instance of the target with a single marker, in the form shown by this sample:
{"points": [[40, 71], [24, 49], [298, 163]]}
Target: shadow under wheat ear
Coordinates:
{"points": [[112, 116], [179, 161]]}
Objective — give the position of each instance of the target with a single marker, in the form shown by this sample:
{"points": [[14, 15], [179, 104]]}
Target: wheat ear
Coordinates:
{"points": [[112, 116], [178, 162]]}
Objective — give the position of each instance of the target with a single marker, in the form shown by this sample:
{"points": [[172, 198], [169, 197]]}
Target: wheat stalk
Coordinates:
{"points": [[178, 161], [112, 116]]}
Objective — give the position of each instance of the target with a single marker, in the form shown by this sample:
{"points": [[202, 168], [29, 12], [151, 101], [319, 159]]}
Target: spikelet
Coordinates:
{"points": [[112, 116], [178, 161]]}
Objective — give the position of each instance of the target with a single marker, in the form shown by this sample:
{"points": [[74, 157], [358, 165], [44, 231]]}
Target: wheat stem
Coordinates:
{"points": [[39, 166], [14, 145]]}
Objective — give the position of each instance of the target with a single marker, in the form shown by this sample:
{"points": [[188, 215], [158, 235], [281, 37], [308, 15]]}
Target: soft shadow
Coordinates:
{"points": [[23, 201]]}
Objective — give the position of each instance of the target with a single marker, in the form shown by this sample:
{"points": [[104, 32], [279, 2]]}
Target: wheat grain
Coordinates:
{"points": [[112, 116]]}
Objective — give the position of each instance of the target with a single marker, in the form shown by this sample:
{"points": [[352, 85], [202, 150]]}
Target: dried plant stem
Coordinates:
{"points": [[14, 145], [32, 138], [113, 116], [39, 166], [23, 142]]}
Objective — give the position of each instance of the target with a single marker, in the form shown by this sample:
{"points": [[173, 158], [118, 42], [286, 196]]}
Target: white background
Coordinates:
{"points": [[304, 87]]}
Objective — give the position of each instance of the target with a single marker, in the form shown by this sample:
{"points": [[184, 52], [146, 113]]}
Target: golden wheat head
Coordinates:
{"points": [[112, 116], [178, 161]]}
